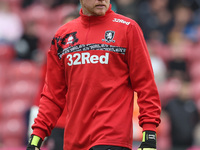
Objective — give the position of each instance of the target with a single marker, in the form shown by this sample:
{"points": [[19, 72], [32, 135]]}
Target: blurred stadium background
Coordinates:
{"points": [[171, 29]]}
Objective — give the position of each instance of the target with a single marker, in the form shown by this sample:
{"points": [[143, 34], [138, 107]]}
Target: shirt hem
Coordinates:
{"points": [[111, 143]]}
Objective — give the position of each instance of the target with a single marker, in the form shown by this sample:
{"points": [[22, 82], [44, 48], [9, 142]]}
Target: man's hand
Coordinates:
{"points": [[34, 143], [148, 141]]}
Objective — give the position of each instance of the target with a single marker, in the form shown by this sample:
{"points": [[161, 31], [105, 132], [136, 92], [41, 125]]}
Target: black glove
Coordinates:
{"points": [[148, 141], [34, 143]]}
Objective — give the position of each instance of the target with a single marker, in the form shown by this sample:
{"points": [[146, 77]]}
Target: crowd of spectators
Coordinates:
{"points": [[171, 29]]}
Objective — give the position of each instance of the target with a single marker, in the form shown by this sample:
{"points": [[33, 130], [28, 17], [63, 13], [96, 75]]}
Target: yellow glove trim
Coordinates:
{"points": [[35, 140], [143, 137]]}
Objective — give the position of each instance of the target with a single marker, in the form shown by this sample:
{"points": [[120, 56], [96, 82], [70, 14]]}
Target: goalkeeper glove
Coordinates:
{"points": [[34, 143], [148, 141]]}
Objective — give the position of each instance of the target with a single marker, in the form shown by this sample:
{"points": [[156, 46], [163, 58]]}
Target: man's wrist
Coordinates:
{"points": [[35, 141], [149, 136], [149, 127], [148, 141]]}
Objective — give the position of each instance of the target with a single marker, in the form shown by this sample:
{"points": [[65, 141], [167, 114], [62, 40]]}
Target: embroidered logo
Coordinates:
{"points": [[121, 21], [109, 35], [71, 38]]}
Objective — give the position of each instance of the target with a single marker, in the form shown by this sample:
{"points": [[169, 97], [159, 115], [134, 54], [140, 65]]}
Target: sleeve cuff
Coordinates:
{"points": [[151, 127], [39, 133]]}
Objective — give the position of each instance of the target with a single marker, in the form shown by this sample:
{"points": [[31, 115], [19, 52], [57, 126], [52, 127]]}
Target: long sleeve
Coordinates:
{"points": [[52, 101], [142, 79]]}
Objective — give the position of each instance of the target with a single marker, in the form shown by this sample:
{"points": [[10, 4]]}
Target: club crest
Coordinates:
{"points": [[109, 35]]}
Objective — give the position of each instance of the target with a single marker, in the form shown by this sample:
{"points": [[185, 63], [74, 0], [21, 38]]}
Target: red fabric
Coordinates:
{"points": [[97, 82], [42, 79], [61, 121]]}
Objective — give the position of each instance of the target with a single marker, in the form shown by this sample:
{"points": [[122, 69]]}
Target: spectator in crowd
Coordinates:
{"points": [[183, 16], [11, 27], [196, 143], [177, 63], [155, 19], [193, 4], [26, 3], [159, 67], [27, 46], [127, 8], [184, 116]]}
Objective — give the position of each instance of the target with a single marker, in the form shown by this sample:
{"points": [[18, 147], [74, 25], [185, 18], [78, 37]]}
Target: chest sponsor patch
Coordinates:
{"points": [[86, 58], [88, 47]]}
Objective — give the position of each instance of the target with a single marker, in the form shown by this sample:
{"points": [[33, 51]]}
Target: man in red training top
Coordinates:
{"points": [[94, 65]]}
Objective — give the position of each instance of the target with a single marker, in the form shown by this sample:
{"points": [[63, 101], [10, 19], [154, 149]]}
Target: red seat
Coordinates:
{"points": [[15, 5], [62, 11], [172, 85], [194, 71], [196, 90], [37, 13], [20, 89], [2, 73], [194, 53], [15, 107], [7, 53], [13, 132], [159, 49], [26, 70]]}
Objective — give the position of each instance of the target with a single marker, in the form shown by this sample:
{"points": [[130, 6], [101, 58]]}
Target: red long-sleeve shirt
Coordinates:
{"points": [[94, 65]]}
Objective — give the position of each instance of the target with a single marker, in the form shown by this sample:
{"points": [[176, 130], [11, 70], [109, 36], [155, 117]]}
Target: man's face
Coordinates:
{"points": [[95, 7]]}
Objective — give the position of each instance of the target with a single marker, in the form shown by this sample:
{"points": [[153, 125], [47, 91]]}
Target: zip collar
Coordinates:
{"points": [[95, 19]]}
